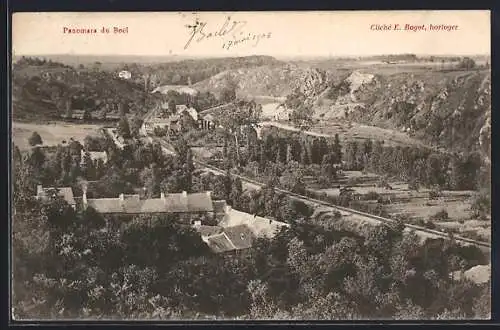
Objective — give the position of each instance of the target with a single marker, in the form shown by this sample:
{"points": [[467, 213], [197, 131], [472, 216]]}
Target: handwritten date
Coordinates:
{"points": [[231, 32]]}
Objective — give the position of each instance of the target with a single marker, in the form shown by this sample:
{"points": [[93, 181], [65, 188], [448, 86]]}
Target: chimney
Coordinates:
{"points": [[227, 208], [184, 194], [197, 223], [122, 197], [162, 195], [84, 200], [209, 194]]}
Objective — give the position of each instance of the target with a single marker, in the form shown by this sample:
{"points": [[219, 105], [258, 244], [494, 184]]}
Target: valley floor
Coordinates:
{"points": [[52, 134]]}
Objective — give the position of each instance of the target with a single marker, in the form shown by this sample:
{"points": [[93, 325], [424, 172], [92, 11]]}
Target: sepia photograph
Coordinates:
{"points": [[320, 165]]}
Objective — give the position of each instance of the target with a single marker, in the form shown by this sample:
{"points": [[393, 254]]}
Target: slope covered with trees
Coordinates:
{"points": [[47, 90]]}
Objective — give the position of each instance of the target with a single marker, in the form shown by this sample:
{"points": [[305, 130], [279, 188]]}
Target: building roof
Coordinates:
{"points": [[241, 236], [220, 243], [478, 274], [64, 192], [158, 121], [231, 238], [178, 88], [219, 206], [207, 231], [95, 155], [169, 203], [191, 111], [209, 117], [261, 227]]}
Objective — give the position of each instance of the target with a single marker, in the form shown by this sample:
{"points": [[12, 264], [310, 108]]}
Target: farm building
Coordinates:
{"points": [[95, 156], [236, 230], [65, 193], [149, 126], [167, 203], [230, 239], [206, 122], [190, 110]]}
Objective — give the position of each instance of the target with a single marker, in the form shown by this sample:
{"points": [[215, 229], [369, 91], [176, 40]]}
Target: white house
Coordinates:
{"points": [[190, 110], [125, 74]]}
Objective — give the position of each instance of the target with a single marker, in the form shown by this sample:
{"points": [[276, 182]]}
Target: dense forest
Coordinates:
{"points": [[187, 72], [419, 165], [69, 264]]}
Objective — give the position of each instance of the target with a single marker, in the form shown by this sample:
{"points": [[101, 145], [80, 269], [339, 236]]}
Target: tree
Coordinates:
{"points": [[466, 63], [135, 126], [124, 128], [242, 114], [87, 116], [228, 93], [301, 117], [172, 106], [35, 139], [337, 150]]}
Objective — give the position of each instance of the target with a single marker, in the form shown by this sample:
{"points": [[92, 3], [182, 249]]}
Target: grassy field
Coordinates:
{"points": [[416, 206], [52, 134], [357, 132]]}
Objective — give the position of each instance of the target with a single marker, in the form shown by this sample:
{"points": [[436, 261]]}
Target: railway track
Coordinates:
{"points": [[303, 198], [459, 239]]}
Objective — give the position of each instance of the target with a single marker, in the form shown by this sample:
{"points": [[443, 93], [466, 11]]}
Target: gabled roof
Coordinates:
{"points": [[261, 227], [209, 117], [191, 111], [219, 206], [207, 231], [170, 203], [65, 193], [220, 243], [231, 238], [241, 236]]}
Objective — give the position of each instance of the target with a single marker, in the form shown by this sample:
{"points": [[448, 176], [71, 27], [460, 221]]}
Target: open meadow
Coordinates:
{"points": [[416, 207], [52, 134]]}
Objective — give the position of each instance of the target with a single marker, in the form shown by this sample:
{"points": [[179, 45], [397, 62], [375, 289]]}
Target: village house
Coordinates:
{"points": [[195, 203], [95, 156], [66, 193], [206, 122], [182, 108], [125, 74], [282, 113], [230, 239], [236, 230], [150, 125]]}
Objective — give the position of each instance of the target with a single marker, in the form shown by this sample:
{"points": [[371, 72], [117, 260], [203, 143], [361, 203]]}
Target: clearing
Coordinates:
{"points": [[416, 206], [52, 134]]}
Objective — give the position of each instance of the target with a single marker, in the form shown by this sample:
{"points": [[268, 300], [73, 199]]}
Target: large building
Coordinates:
{"points": [[66, 193], [195, 203], [167, 203], [236, 230]]}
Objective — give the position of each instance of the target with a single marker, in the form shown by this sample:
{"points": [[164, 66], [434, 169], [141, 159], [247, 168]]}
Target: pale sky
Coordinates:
{"points": [[286, 33]]}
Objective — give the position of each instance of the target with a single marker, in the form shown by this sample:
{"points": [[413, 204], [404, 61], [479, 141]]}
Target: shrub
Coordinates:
{"points": [[429, 225], [441, 215], [434, 194], [383, 200], [481, 205], [353, 181], [371, 196], [35, 139], [413, 185]]}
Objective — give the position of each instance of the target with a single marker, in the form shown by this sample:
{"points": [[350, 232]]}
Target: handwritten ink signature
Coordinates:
{"points": [[230, 29]]}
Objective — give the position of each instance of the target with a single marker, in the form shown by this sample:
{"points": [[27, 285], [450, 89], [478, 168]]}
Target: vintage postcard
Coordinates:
{"points": [[251, 165]]}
